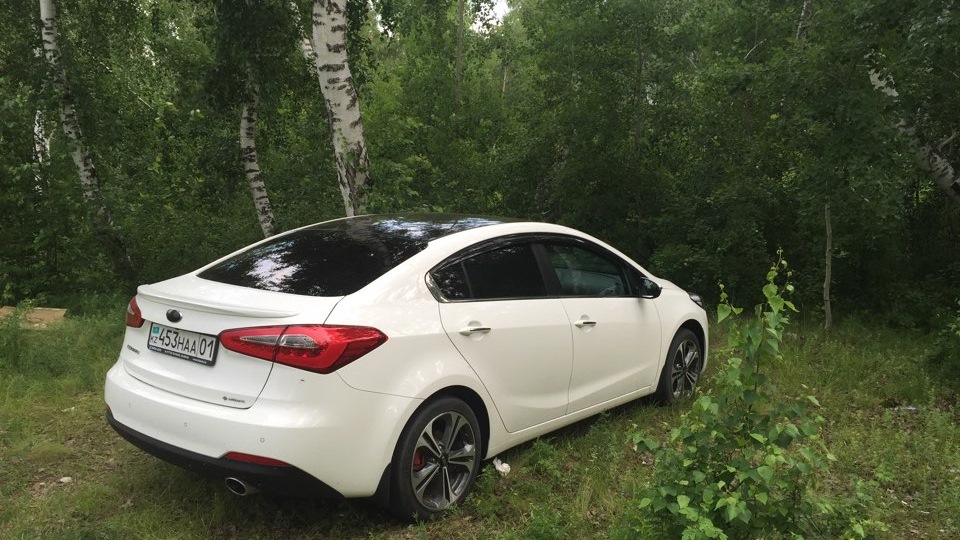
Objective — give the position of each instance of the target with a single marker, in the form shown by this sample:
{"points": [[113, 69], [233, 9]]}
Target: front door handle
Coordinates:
{"points": [[470, 330], [585, 322]]}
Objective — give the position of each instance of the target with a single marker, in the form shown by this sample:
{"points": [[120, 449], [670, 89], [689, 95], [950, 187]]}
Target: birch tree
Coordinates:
{"points": [[248, 151], [82, 158], [342, 103], [925, 156], [806, 12]]}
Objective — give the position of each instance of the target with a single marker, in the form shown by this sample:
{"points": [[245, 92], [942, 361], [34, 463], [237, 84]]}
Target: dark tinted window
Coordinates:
{"points": [[452, 282], [507, 272], [582, 272], [332, 259]]}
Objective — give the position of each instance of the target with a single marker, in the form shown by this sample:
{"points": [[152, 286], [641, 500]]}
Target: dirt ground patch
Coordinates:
{"points": [[36, 318]]}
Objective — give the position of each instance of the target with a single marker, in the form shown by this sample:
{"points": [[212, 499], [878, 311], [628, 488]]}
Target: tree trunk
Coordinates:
{"points": [[89, 180], [931, 162], [248, 151], [805, 12], [41, 150], [827, 269], [343, 104], [459, 54], [926, 157], [307, 49]]}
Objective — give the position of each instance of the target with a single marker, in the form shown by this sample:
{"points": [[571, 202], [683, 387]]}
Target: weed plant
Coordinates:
{"points": [[744, 461]]}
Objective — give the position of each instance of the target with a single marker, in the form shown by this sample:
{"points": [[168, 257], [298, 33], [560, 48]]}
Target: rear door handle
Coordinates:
{"points": [[470, 330], [585, 322]]}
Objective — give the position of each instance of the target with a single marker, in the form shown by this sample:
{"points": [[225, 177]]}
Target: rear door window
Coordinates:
{"points": [[506, 272]]}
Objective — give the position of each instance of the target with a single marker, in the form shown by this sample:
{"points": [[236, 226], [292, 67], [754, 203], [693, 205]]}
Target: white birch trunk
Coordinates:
{"points": [[926, 157], [251, 163], [89, 180], [342, 102], [931, 162], [805, 13], [307, 49], [41, 150], [459, 54]]}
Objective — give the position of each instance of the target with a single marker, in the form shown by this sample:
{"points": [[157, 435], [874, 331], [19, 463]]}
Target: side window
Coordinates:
{"points": [[506, 272], [452, 282], [582, 272]]}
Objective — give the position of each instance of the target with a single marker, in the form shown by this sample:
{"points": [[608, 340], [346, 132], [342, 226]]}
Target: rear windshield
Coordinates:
{"points": [[325, 260]]}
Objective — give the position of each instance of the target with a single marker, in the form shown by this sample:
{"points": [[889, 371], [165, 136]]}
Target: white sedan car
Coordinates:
{"points": [[388, 355]]}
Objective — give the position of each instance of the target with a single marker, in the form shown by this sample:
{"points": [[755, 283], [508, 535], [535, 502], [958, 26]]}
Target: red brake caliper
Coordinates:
{"points": [[418, 459]]}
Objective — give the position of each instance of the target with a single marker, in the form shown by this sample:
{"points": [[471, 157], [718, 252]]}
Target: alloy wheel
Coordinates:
{"points": [[444, 461], [687, 364]]}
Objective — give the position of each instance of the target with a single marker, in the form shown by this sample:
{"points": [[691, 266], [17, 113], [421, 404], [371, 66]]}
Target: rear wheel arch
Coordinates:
{"points": [[385, 490], [474, 401]]}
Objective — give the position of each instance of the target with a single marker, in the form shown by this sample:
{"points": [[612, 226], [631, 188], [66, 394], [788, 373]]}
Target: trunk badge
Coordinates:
{"points": [[173, 315]]}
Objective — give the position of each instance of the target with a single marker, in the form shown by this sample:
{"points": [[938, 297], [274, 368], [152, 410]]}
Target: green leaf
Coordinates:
{"points": [[760, 438], [765, 472], [645, 502], [731, 512], [769, 290], [723, 311], [683, 501]]}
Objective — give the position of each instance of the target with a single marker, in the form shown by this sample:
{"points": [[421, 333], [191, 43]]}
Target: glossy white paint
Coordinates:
{"points": [[533, 372], [529, 378], [616, 356]]}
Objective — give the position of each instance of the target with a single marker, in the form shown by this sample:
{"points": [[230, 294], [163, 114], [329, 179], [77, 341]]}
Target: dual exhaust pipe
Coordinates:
{"points": [[238, 487]]}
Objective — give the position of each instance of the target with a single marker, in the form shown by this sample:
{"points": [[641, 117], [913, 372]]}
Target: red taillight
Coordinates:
{"points": [[315, 347], [134, 317], [259, 460]]}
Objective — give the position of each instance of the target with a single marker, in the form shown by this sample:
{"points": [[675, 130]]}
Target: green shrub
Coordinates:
{"points": [[744, 460], [944, 355]]}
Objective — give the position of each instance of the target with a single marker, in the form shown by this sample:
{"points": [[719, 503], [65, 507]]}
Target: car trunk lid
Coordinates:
{"points": [[176, 349]]}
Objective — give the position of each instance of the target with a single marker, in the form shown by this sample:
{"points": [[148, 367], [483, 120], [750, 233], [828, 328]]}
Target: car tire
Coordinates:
{"points": [[436, 460], [681, 370]]}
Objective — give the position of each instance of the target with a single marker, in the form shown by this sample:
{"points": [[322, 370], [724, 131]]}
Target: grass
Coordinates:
{"points": [[64, 474]]}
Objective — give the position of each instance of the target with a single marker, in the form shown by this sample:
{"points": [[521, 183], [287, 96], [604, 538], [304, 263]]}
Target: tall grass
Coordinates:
{"points": [[891, 424]]}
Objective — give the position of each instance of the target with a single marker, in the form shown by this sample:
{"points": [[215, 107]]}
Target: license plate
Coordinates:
{"points": [[199, 348]]}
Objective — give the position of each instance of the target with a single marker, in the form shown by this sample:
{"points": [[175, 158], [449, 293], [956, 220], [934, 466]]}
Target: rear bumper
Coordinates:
{"points": [[339, 438], [279, 480]]}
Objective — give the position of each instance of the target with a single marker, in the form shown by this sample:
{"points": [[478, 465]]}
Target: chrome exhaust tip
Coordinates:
{"points": [[238, 487]]}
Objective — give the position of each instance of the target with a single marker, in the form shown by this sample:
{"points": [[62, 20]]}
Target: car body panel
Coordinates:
{"points": [[616, 356], [338, 434], [206, 307], [530, 380]]}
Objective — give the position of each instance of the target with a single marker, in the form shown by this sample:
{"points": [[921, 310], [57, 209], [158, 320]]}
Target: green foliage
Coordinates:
{"points": [[944, 353], [695, 136], [744, 461]]}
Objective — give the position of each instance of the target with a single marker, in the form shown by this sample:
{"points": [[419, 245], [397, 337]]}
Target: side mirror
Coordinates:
{"points": [[648, 289]]}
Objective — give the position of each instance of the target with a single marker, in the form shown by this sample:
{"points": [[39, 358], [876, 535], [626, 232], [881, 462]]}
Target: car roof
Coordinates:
{"points": [[420, 228]]}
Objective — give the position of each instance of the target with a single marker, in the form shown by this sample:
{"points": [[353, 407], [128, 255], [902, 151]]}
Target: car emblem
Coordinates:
{"points": [[173, 315]]}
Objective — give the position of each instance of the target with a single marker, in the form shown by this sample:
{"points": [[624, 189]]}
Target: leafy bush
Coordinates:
{"points": [[743, 461], [944, 355]]}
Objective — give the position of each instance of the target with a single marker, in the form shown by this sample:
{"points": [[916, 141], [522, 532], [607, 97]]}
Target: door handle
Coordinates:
{"points": [[470, 330], [585, 322]]}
